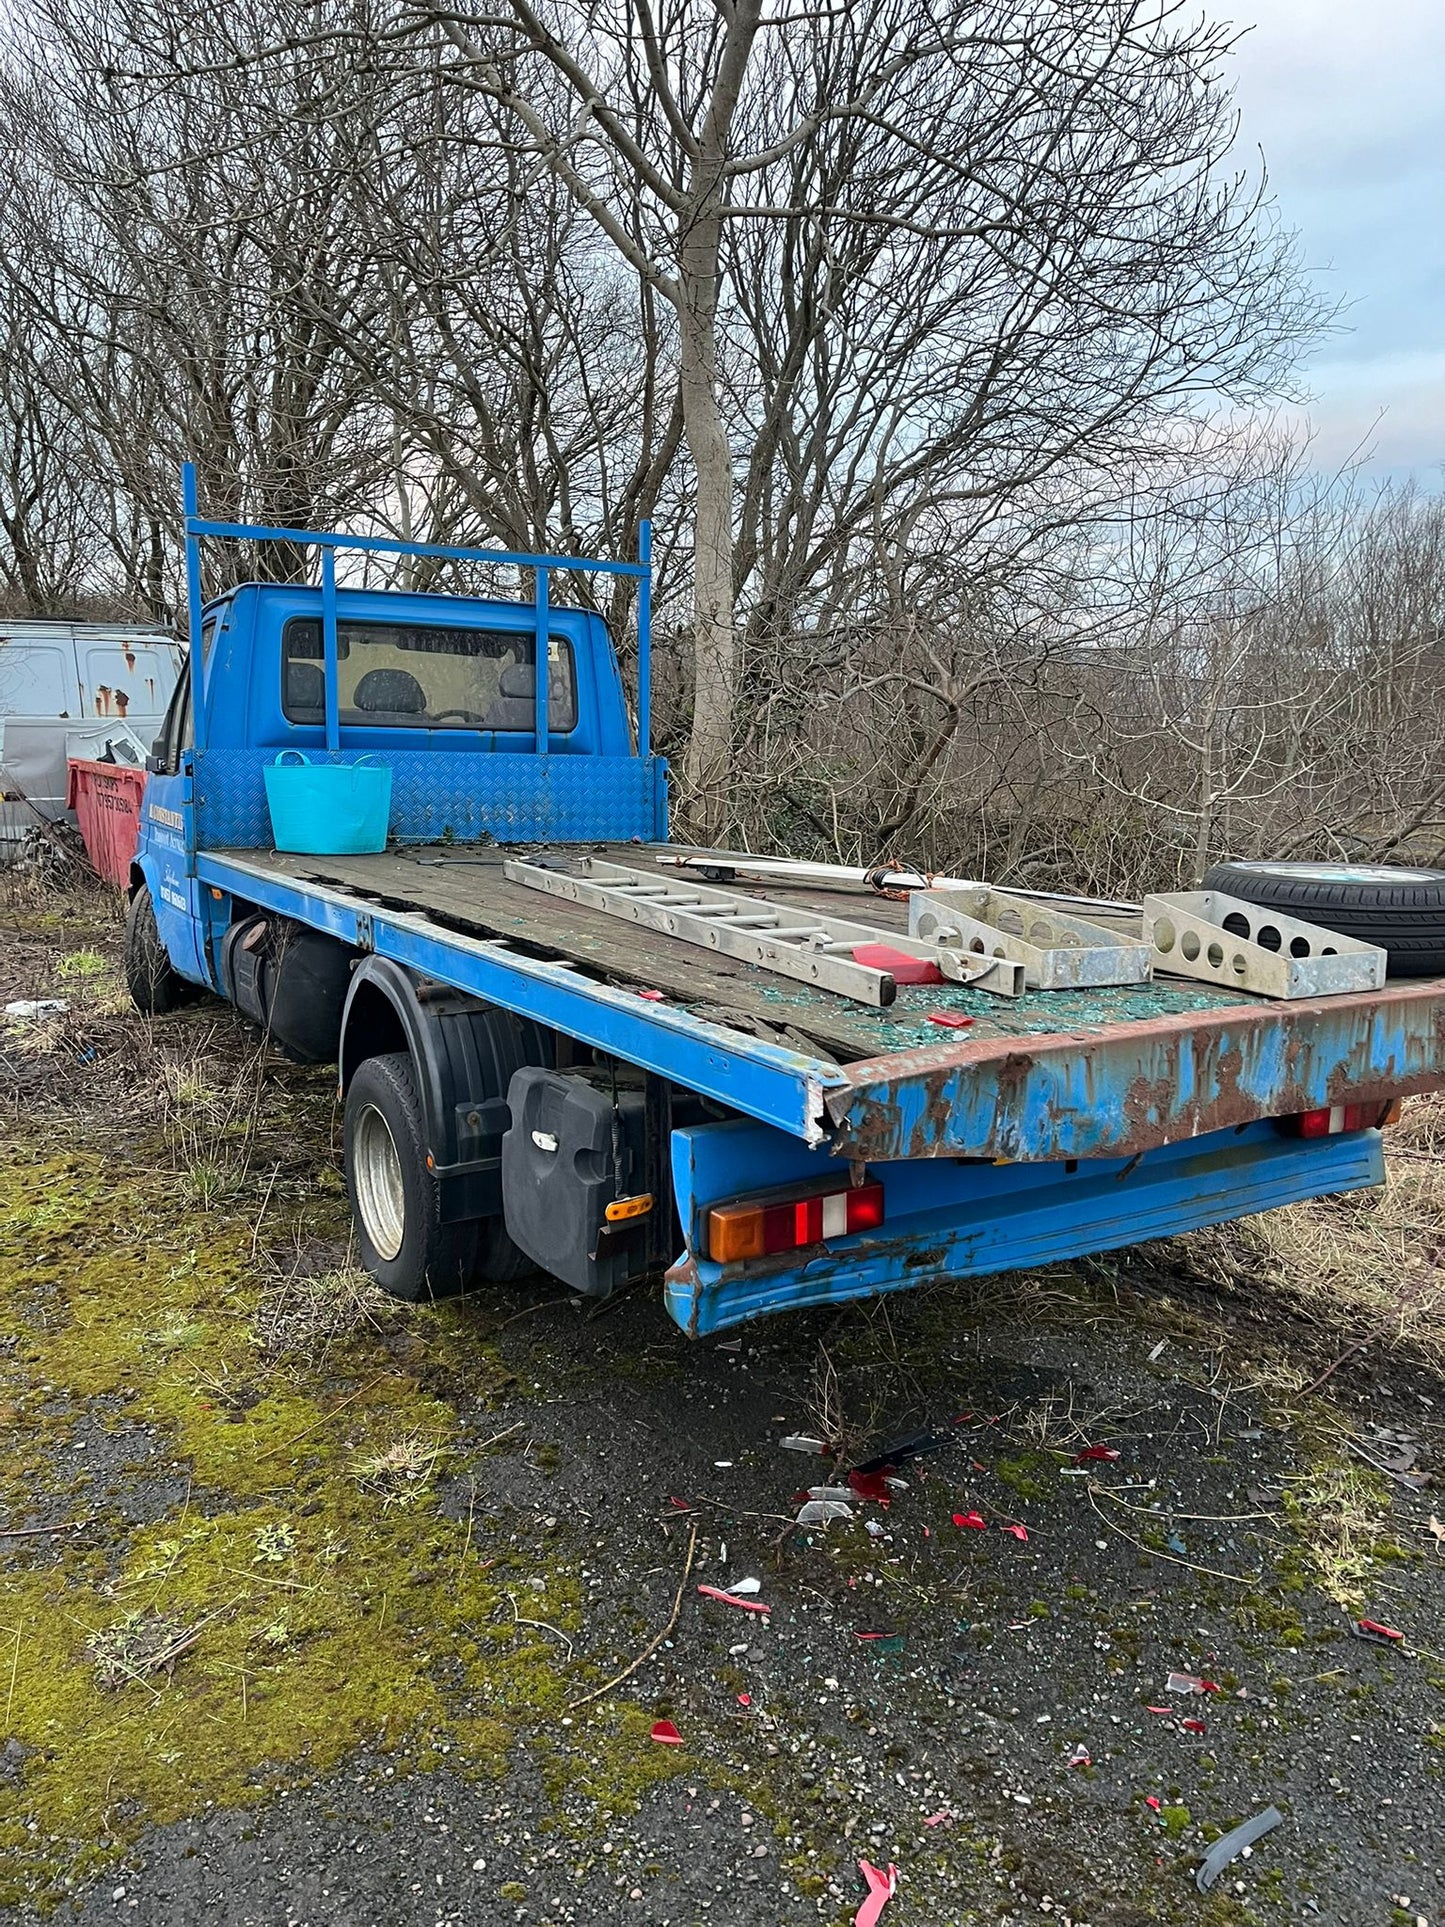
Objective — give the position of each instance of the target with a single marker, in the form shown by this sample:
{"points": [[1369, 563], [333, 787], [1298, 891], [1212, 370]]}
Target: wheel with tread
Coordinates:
{"points": [[396, 1201], [156, 987], [1400, 908]]}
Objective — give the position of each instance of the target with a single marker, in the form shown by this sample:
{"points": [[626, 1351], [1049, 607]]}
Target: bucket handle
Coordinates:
{"points": [[367, 756]]}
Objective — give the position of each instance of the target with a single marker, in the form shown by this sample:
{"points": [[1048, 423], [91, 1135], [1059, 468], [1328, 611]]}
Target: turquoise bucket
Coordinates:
{"points": [[327, 809]]}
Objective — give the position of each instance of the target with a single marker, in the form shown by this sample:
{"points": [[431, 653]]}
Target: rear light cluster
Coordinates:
{"points": [[757, 1227], [1342, 1117]]}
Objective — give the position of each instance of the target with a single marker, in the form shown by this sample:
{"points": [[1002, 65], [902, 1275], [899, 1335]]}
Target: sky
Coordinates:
{"points": [[1347, 100]]}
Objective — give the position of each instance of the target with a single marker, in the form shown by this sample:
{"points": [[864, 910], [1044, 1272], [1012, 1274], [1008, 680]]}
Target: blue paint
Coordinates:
{"points": [[946, 1220], [1128, 1085], [761, 1080]]}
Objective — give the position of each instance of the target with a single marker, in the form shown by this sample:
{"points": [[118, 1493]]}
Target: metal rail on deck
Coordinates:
{"points": [[542, 567]]}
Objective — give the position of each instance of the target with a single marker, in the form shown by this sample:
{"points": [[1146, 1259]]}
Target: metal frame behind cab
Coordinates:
{"points": [[540, 565]]}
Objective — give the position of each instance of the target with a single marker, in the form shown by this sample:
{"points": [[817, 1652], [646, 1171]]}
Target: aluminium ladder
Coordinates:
{"points": [[794, 943]]}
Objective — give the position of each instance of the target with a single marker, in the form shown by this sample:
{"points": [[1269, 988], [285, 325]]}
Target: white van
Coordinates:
{"points": [[73, 680]]}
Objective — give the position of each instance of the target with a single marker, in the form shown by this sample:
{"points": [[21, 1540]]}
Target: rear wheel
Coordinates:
{"points": [[1401, 909], [395, 1199], [155, 985]]}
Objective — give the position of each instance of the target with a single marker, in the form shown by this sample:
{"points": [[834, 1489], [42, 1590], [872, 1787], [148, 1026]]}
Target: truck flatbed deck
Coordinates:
{"points": [[1052, 1074]]}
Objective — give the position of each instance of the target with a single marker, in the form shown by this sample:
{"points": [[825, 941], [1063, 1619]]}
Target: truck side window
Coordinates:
{"points": [[175, 734], [396, 675]]}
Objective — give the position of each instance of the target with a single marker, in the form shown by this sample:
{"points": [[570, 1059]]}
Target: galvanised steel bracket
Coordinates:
{"points": [[1224, 940], [1058, 951]]}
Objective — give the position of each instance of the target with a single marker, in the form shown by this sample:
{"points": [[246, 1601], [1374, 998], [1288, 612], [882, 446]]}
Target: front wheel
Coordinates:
{"points": [[395, 1199], [156, 987]]}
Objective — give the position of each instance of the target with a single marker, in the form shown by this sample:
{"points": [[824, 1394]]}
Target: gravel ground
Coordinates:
{"points": [[1005, 1734]]}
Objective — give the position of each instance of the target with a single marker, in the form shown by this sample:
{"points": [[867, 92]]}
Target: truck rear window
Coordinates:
{"points": [[396, 675]]}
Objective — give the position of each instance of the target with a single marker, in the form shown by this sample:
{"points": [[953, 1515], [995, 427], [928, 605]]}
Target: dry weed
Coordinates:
{"points": [[1367, 1267], [402, 1471], [302, 1318]]}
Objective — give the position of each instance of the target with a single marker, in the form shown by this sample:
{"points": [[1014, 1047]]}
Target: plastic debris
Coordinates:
{"points": [[970, 1521], [875, 1528], [843, 1493], [902, 1450], [939, 1819], [665, 1734], [870, 1485], [1158, 1351], [902, 968], [1021, 1533], [1101, 1454], [1153, 1802], [746, 1587], [1188, 1683], [1193, 1726], [745, 1699], [679, 1505], [652, 996], [1176, 1544], [729, 1345], [821, 1512], [881, 1889], [949, 1019], [1230, 1845], [27, 1009], [804, 1442], [883, 1642], [1080, 1756], [1372, 1629], [1168, 1711], [731, 1599]]}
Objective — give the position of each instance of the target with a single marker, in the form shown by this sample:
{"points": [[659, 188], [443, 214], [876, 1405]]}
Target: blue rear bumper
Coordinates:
{"points": [[947, 1219]]}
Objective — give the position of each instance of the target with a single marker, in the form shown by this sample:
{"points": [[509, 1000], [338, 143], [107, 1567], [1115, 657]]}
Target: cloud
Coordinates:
{"points": [[1344, 100]]}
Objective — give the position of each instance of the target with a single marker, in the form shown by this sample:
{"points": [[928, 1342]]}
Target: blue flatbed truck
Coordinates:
{"points": [[533, 1083]]}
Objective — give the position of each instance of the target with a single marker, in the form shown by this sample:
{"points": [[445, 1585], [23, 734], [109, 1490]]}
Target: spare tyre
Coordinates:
{"points": [[1403, 910]]}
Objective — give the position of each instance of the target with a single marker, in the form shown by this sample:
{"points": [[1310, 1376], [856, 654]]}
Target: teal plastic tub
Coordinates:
{"points": [[327, 809]]}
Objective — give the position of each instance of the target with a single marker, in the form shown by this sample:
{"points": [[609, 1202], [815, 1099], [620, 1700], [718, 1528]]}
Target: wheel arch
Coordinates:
{"points": [[463, 1053]]}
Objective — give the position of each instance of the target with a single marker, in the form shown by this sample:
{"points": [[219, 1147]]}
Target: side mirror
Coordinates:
{"points": [[155, 765]]}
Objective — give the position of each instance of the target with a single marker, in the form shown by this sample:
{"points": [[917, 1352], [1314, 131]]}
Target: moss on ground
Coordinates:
{"points": [[313, 1604]]}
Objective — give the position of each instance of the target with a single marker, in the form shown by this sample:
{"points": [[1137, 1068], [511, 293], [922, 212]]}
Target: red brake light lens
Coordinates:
{"points": [[758, 1227], [1341, 1117]]}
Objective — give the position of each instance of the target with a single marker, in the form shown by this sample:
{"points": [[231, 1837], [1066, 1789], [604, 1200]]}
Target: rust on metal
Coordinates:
{"points": [[1126, 1087]]}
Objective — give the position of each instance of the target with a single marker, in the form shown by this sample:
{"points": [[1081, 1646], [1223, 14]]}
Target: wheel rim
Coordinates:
{"points": [[376, 1171], [1343, 873]]}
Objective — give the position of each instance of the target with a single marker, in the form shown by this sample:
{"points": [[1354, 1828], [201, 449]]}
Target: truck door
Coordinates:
{"points": [[166, 852]]}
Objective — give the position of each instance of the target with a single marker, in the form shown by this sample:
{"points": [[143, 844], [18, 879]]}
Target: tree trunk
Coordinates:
{"points": [[709, 750]]}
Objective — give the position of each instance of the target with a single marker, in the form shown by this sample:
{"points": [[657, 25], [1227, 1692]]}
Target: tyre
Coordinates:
{"points": [[395, 1201], [155, 986], [1401, 909]]}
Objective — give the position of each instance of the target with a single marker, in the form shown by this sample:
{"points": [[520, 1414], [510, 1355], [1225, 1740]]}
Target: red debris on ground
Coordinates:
{"points": [[881, 1889], [666, 1734], [731, 1599], [1102, 1453], [972, 1521], [1021, 1533], [1373, 1629], [870, 1485], [949, 1019]]}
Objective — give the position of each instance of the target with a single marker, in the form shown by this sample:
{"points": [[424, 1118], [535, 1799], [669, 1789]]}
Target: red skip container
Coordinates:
{"points": [[106, 798]]}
